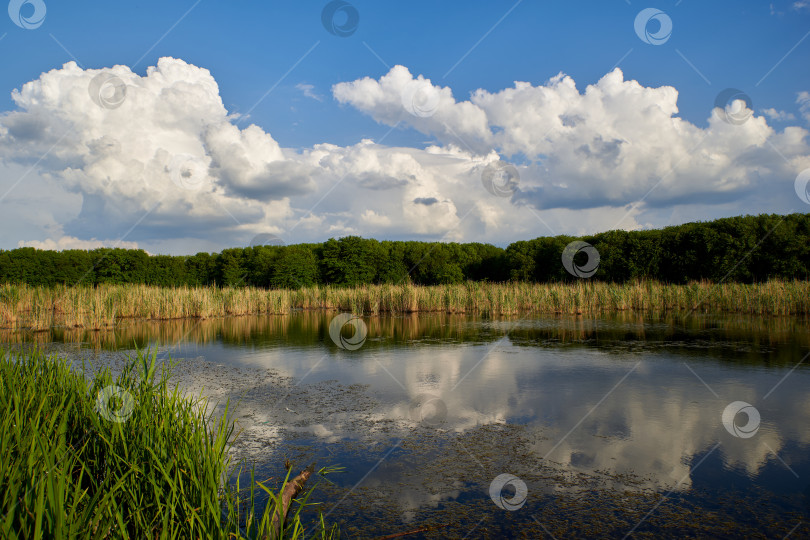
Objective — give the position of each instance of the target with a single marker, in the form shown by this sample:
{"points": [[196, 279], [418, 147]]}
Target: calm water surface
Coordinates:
{"points": [[614, 425]]}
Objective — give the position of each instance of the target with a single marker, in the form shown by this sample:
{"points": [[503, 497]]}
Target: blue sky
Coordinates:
{"points": [[249, 46], [253, 47]]}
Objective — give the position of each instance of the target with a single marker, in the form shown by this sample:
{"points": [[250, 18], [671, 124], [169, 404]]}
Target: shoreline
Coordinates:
{"points": [[37, 309]]}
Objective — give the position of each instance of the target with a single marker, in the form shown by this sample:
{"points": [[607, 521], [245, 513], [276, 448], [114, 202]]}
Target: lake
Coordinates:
{"points": [[535, 427]]}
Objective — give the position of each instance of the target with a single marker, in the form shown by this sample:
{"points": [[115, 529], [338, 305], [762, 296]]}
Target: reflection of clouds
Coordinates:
{"points": [[663, 438], [656, 425], [411, 498], [653, 424], [326, 434]]}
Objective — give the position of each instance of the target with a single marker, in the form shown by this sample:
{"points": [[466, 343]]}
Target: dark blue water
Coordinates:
{"points": [[614, 426]]}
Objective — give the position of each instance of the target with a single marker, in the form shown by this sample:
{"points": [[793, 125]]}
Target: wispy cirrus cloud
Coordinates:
{"points": [[309, 91]]}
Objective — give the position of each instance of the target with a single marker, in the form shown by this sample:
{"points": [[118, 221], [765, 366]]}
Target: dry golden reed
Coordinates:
{"points": [[40, 308]]}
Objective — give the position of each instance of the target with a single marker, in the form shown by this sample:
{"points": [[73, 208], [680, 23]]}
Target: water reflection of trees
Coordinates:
{"points": [[736, 337]]}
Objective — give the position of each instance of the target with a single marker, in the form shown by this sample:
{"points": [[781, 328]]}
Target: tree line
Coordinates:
{"points": [[741, 249]]}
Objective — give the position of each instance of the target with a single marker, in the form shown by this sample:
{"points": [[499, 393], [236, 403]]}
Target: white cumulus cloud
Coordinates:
{"points": [[158, 161], [612, 144], [777, 116]]}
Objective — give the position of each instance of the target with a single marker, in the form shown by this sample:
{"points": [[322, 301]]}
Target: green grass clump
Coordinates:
{"points": [[128, 457]]}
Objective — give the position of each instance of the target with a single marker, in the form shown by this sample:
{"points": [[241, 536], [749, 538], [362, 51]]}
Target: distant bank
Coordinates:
{"points": [[739, 249]]}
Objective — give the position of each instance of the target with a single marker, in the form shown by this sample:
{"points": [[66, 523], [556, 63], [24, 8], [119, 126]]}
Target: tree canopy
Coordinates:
{"points": [[741, 249]]}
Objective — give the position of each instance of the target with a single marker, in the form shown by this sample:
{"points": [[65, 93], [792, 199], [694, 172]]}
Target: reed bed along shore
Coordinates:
{"points": [[41, 308]]}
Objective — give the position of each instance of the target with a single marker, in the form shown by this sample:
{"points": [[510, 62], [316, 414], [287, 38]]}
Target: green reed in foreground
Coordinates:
{"points": [[141, 462]]}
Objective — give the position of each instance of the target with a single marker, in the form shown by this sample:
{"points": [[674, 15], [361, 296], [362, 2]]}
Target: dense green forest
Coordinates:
{"points": [[744, 249]]}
